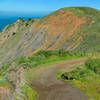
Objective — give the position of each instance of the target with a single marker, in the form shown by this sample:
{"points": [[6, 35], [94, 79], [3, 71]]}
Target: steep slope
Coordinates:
{"points": [[74, 28]]}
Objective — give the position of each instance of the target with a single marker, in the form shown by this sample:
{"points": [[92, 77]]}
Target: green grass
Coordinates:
{"points": [[29, 93], [90, 86], [3, 82], [82, 11], [94, 65], [3, 75]]}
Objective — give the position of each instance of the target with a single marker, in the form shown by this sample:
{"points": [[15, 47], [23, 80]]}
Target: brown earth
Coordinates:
{"points": [[49, 88]]}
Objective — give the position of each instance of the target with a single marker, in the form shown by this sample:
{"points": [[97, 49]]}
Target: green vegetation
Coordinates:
{"points": [[82, 11], [44, 57], [94, 65], [40, 58], [44, 19], [91, 41], [87, 78], [30, 20], [21, 19], [29, 93], [3, 80]]}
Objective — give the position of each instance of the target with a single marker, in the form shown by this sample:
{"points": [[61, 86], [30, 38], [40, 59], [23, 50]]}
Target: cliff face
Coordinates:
{"points": [[68, 28]]}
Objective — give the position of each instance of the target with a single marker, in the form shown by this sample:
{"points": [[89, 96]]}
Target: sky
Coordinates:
{"points": [[42, 6]]}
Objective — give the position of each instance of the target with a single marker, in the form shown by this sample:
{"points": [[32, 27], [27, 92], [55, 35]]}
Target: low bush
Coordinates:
{"points": [[93, 64], [22, 60], [79, 73]]}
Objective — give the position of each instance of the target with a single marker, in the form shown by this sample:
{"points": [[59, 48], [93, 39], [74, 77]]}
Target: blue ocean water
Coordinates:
{"points": [[9, 20], [6, 21]]}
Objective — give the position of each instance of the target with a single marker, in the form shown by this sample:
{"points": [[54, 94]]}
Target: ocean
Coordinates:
{"points": [[9, 20], [6, 21]]}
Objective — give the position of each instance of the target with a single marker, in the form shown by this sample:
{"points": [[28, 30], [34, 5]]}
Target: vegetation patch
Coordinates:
{"points": [[3, 79], [45, 57], [87, 78], [29, 93]]}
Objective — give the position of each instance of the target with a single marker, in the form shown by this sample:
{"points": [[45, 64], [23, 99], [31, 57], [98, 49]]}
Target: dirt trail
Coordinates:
{"points": [[49, 88]]}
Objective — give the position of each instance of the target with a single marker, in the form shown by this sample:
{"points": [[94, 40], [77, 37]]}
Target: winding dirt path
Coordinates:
{"points": [[49, 88]]}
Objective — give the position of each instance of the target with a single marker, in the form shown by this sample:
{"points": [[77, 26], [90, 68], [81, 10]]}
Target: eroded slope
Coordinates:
{"points": [[67, 28]]}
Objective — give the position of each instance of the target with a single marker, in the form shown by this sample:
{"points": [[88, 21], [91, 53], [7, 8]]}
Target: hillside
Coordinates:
{"points": [[40, 57], [75, 28]]}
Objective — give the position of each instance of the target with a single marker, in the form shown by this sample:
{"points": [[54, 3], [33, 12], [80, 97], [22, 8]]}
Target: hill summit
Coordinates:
{"points": [[74, 28]]}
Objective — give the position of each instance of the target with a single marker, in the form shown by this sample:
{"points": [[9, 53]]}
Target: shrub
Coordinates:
{"points": [[93, 64], [63, 53], [59, 53], [26, 24], [79, 73], [20, 18], [5, 67], [22, 60], [44, 53], [29, 19]]}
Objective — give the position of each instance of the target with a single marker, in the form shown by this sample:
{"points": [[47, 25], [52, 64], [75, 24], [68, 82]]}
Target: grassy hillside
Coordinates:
{"points": [[74, 28], [92, 40]]}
